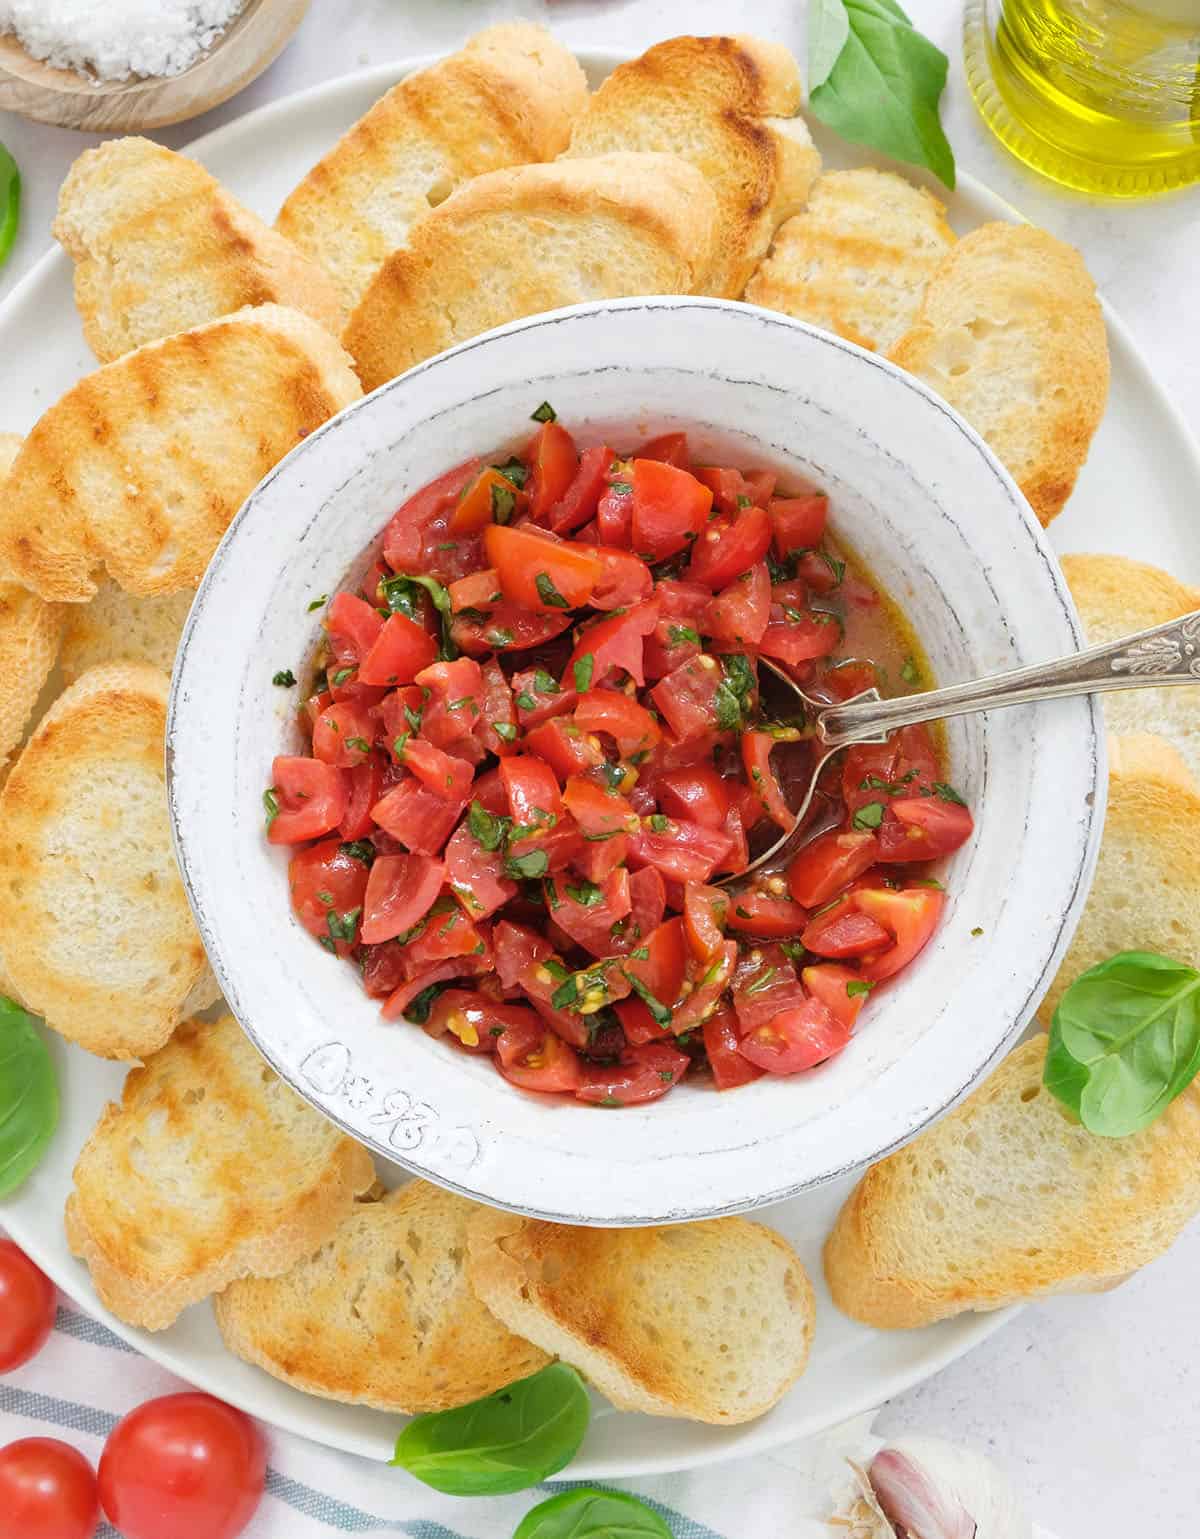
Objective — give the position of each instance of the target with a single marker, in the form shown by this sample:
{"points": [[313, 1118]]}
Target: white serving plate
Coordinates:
{"points": [[1138, 495]]}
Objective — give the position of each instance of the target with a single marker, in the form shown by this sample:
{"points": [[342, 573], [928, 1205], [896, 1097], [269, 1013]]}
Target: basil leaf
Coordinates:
{"points": [[418, 1008], [514, 470], [544, 413], [583, 673], [548, 593], [545, 683], [592, 1514], [659, 1013], [948, 793], [884, 87], [505, 1442], [10, 203], [401, 597], [504, 500], [488, 830], [828, 33], [587, 894], [285, 678], [359, 849], [1125, 1041], [270, 799], [532, 864], [868, 816], [28, 1096]]}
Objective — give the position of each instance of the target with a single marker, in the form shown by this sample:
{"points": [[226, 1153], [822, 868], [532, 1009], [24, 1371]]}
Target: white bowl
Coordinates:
{"points": [[941, 524]]}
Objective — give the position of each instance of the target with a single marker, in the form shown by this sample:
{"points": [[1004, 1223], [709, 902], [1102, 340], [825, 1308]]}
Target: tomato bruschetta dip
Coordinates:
{"points": [[536, 744]]}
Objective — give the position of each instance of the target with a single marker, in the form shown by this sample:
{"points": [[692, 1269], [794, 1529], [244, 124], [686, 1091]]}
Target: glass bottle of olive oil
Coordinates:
{"points": [[1102, 95]]}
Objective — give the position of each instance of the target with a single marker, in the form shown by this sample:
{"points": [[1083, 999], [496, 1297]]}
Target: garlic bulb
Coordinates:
{"points": [[927, 1489]]}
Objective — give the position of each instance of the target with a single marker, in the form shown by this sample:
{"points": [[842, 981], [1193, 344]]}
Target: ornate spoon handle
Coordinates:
{"points": [[1168, 654]]}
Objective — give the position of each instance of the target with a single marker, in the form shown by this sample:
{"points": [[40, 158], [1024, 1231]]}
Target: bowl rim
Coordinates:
{"points": [[1094, 749]]}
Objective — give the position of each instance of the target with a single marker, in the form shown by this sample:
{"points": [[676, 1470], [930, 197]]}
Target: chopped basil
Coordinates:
{"points": [[909, 671], [614, 774], [582, 670], [544, 413], [457, 705], [948, 793], [399, 744], [659, 1013], [498, 636], [358, 744], [545, 683], [782, 571], [978, 930], [548, 593], [359, 849], [761, 981], [271, 803], [677, 635], [285, 678], [488, 830], [514, 470], [343, 927], [551, 891], [413, 718], [858, 986], [401, 596], [587, 894], [666, 1075], [419, 1007], [868, 816], [504, 499], [793, 950], [317, 602], [623, 488], [640, 954], [504, 730], [927, 881], [743, 501], [728, 709], [339, 677], [600, 838], [533, 864], [659, 822], [838, 568], [526, 702]]}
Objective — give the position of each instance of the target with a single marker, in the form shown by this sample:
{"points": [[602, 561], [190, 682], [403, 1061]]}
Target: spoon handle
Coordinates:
{"points": [[1168, 654]]}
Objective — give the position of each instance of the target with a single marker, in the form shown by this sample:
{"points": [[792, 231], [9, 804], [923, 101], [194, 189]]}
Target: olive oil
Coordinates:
{"points": [[1102, 95]]}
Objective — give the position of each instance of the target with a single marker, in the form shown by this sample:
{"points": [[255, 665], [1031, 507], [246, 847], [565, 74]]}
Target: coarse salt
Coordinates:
{"points": [[117, 39]]}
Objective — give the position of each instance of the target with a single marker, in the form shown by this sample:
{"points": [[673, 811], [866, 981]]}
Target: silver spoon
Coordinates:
{"points": [[1168, 654]]}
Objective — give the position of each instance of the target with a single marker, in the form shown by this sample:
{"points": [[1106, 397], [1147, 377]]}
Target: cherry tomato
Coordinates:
{"points": [[312, 798], [400, 890], [726, 549], [546, 1063], [182, 1467], [795, 1039], [28, 1301], [922, 828], [910, 917], [47, 1491], [327, 885]]}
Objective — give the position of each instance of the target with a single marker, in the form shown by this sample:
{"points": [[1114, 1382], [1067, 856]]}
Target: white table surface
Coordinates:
{"points": [[1092, 1404]]}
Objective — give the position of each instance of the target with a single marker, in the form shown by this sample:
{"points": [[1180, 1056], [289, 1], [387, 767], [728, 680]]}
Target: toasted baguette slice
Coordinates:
{"points": [[1146, 892], [710, 1321], [509, 97], [95, 929], [30, 635], [1115, 597], [382, 1314], [210, 1169], [728, 105], [118, 625], [160, 246], [1010, 332], [518, 242], [142, 465], [856, 261], [1009, 1198]]}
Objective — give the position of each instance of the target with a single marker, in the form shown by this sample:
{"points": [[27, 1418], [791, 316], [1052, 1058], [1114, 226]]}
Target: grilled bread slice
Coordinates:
{"points": [[856, 261], [142, 465], [1146, 892], [118, 625], [509, 97], [209, 1170], [518, 242], [95, 929], [728, 105], [1010, 1198], [710, 1321], [1115, 597], [382, 1314], [30, 634], [159, 247], [1011, 333]]}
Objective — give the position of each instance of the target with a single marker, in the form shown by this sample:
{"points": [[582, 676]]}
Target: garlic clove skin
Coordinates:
{"points": [[928, 1489]]}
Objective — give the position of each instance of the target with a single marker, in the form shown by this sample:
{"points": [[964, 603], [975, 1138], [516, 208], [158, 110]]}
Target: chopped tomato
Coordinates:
{"points": [[582, 497], [906, 765], [587, 916], [614, 513], [682, 851], [446, 776], [645, 1073], [628, 723], [419, 818], [401, 651], [478, 590], [496, 725], [517, 947], [624, 579], [843, 930], [539, 696], [476, 876], [399, 1000], [687, 697], [795, 1040], [832, 861], [491, 496], [721, 1044], [727, 548], [508, 628], [923, 827], [797, 523], [400, 890], [763, 913], [553, 466], [477, 1022], [344, 734], [565, 747], [764, 984], [668, 647], [548, 1065], [539, 573], [819, 572], [705, 911], [327, 885], [355, 623], [670, 448], [709, 981], [617, 642], [660, 973], [599, 810], [534, 801], [910, 917], [424, 520], [697, 793], [598, 854], [311, 798], [756, 756], [741, 611], [647, 904], [444, 932], [800, 637], [366, 786], [840, 990], [842, 681], [670, 508]]}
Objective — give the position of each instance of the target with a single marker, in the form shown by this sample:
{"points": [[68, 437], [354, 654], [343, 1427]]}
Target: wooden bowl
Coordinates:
{"points": [[240, 54]]}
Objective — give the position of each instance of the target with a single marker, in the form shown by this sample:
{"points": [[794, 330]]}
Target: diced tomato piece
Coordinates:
{"points": [[489, 792], [721, 1039], [709, 981], [798, 523], [516, 948], [419, 818], [553, 465], [619, 717], [397, 1002], [842, 681], [686, 698], [796, 1040], [670, 645], [449, 714], [764, 983], [564, 747], [739, 854], [538, 573], [444, 775], [756, 756], [670, 508], [726, 548], [762, 913], [696, 793], [732, 491], [683, 852], [423, 521], [476, 876], [401, 651], [624, 579], [589, 923], [818, 571], [496, 725], [923, 827], [832, 861], [491, 496], [445, 932], [858, 594], [816, 633], [669, 448], [475, 1021], [599, 854], [509, 628], [841, 990], [539, 696], [400, 890], [559, 843], [533, 796], [740, 612], [682, 600], [597, 809], [617, 642], [382, 968], [648, 902], [906, 765], [366, 786], [841, 930], [355, 623], [549, 1066], [327, 886], [910, 917], [661, 974], [582, 497], [705, 911], [478, 590], [644, 1074], [344, 734], [614, 513], [311, 797]]}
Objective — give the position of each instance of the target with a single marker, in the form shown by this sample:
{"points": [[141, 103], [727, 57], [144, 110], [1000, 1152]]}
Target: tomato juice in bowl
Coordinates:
{"points": [[939, 526]]}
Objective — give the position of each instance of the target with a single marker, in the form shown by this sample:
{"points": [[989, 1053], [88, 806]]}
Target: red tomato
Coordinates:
{"points": [[617, 642], [600, 854], [400, 890], [28, 1301], [47, 1491], [589, 923], [796, 1039], [478, 590], [818, 572], [662, 973], [708, 980], [533, 797], [816, 633], [476, 876], [624, 579], [923, 827], [424, 519], [447, 777], [488, 495], [733, 491], [476, 1021], [538, 573], [445, 932], [670, 448], [841, 990], [598, 811], [832, 861], [353, 622], [539, 697], [669, 646], [456, 967], [797, 523], [644, 1074], [614, 514], [548, 1065], [721, 1043], [416, 817], [682, 852], [509, 628], [705, 910], [402, 650], [843, 930], [842, 681], [725, 550], [553, 465], [906, 765], [565, 747], [670, 508], [647, 904], [697, 793], [756, 756], [910, 917], [582, 497], [517, 947], [762, 913], [327, 887], [628, 723], [764, 986], [740, 612], [344, 734], [311, 796]]}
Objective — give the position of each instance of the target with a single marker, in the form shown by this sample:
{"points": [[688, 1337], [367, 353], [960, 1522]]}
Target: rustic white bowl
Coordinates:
{"points": [[941, 524]]}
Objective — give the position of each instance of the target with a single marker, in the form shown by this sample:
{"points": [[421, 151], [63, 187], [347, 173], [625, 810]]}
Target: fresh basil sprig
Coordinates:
{"points": [[505, 1442], [874, 79], [592, 1514], [10, 203], [1125, 1041], [28, 1096]]}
